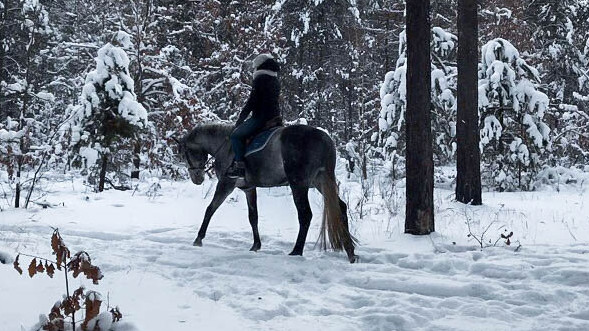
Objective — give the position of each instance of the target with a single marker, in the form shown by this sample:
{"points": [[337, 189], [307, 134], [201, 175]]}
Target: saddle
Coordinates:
{"points": [[272, 123], [260, 139]]}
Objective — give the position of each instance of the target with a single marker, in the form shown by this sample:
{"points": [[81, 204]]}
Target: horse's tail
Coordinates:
{"points": [[334, 221]]}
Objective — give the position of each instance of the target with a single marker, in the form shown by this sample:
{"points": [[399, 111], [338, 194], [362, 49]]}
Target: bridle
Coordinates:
{"points": [[208, 165], [191, 166]]}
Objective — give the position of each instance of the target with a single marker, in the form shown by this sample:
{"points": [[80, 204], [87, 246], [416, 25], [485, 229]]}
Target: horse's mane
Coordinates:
{"points": [[209, 130]]}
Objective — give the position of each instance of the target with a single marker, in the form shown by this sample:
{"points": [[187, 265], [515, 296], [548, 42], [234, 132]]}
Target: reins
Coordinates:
{"points": [[209, 164]]}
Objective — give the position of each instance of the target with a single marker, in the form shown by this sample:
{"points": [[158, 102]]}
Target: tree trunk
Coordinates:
{"points": [[18, 179], [419, 214], [136, 159], [468, 158], [102, 172]]}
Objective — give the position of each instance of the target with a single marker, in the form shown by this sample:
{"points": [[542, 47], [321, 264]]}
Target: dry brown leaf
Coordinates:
{"points": [[55, 312], [81, 263], [50, 268], [92, 304], [55, 242], [55, 325], [93, 273], [79, 292], [40, 268], [68, 306], [33, 268], [16, 265], [62, 253]]}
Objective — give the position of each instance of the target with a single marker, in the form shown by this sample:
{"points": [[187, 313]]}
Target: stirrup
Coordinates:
{"points": [[236, 170]]}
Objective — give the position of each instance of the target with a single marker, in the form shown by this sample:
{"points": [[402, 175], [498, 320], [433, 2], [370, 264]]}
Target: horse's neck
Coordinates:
{"points": [[216, 145]]}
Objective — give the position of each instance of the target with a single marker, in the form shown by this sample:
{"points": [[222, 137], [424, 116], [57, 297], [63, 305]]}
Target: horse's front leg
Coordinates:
{"points": [[301, 199], [222, 191], [252, 208]]}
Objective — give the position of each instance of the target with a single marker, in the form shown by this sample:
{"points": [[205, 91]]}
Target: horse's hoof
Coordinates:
{"points": [[295, 253], [197, 242], [256, 247]]}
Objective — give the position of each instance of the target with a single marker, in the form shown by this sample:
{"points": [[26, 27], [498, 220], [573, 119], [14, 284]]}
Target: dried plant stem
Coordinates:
{"points": [[67, 292], [37, 257]]}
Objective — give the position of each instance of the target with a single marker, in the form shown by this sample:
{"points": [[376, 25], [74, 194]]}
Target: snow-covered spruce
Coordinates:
{"points": [[108, 111], [514, 135], [108, 91]]}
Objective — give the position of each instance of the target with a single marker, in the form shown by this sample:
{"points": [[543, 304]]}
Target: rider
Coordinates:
{"points": [[262, 104]]}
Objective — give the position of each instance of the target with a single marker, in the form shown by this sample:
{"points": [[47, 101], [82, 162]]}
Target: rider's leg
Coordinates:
{"points": [[241, 133], [238, 137]]}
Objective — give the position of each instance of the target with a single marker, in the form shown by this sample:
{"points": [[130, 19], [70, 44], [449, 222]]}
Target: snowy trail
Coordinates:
{"points": [[162, 282]]}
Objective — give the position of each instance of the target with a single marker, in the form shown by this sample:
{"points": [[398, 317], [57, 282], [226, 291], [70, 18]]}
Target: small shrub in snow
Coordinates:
{"points": [[480, 232], [79, 263]]}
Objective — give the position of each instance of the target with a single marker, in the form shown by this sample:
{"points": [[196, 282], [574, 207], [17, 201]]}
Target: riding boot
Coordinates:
{"points": [[236, 170]]}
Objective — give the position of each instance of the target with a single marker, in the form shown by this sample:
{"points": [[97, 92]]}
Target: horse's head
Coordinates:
{"points": [[196, 159]]}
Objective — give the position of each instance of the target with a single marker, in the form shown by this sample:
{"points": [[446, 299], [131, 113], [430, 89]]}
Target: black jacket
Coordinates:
{"points": [[263, 100]]}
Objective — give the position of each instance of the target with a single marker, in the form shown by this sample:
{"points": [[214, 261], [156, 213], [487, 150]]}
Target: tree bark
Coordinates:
{"points": [[136, 159], [419, 214], [18, 180], [104, 163], [468, 159]]}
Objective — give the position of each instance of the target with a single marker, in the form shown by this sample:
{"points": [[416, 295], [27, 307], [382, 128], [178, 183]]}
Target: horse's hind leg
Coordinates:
{"points": [[301, 200], [222, 191], [252, 207]]}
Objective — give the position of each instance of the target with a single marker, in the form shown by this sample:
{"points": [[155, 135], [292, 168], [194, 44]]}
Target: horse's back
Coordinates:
{"points": [[306, 151], [294, 155]]}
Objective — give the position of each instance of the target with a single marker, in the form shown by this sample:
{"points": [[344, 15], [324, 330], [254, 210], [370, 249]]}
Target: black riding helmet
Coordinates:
{"points": [[265, 64]]}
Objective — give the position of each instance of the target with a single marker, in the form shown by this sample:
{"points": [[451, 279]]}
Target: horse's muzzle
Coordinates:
{"points": [[197, 176]]}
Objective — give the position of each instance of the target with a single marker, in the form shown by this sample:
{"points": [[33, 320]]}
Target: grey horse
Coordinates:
{"points": [[299, 156]]}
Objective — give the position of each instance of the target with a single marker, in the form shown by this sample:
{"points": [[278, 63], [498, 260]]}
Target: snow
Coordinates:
{"points": [[46, 96], [519, 151], [580, 97], [89, 154], [30, 5], [124, 39], [498, 49], [443, 41], [278, 5], [15, 88], [570, 30], [491, 130], [6, 135], [142, 243]]}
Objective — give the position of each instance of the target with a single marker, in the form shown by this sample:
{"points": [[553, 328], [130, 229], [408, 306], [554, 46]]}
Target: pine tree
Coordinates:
{"points": [[561, 40], [514, 135], [468, 167], [419, 212], [108, 109], [24, 99]]}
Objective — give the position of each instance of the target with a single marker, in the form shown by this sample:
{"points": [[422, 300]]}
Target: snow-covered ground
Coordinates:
{"points": [[142, 240]]}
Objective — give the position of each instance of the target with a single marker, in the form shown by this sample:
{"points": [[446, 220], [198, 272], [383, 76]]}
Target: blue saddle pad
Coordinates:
{"points": [[260, 141]]}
